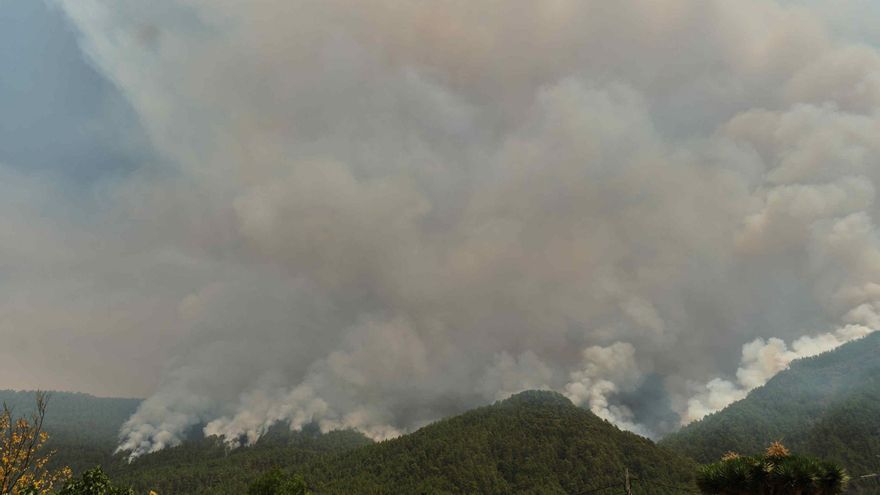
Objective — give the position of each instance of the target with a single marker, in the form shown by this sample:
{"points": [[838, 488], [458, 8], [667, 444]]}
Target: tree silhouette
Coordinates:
{"points": [[94, 482], [276, 482], [776, 472]]}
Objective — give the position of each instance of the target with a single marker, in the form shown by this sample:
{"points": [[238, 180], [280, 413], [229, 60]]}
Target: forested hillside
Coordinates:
{"points": [[827, 406], [82, 428], [534, 442], [206, 466]]}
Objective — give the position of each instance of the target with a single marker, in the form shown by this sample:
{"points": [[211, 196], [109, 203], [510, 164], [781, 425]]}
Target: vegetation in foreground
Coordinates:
{"points": [[23, 458], [776, 472], [83, 429], [534, 442], [95, 482], [277, 482], [825, 406]]}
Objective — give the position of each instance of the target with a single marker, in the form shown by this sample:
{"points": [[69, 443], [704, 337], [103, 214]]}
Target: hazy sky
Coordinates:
{"points": [[373, 214], [66, 135]]}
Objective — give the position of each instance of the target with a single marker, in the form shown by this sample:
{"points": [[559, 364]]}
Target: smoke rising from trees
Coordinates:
{"points": [[374, 214]]}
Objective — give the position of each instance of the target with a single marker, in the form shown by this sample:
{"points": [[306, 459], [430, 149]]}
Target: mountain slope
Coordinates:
{"points": [[534, 442], [827, 405], [82, 428], [84, 431], [206, 466]]}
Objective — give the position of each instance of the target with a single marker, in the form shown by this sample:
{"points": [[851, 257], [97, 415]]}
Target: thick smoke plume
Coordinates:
{"points": [[380, 213], [761, 360]]}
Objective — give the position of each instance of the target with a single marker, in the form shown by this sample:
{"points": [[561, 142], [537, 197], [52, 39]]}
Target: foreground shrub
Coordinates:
{"points": [[776, 472], [276, 482]]}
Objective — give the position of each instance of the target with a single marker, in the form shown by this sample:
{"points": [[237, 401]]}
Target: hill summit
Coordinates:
{"points": [[532, 442]]}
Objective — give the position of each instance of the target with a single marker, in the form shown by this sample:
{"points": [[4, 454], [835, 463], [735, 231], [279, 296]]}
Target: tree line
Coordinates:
{"points": [[543, 436]]}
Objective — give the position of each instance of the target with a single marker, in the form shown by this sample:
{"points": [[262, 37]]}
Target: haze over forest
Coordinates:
{"points": [[373, 215]]}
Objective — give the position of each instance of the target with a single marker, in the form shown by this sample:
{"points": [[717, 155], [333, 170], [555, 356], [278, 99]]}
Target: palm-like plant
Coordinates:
{"points": [[776, 472]]}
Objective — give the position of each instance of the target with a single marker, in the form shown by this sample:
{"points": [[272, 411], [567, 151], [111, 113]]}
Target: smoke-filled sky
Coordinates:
{"points": [[375, 214]]}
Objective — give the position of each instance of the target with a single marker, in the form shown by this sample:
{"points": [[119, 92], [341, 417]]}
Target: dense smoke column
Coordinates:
{"points": [[398, 212]]}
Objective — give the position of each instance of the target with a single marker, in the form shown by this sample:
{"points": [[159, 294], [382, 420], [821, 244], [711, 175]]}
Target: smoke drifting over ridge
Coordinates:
{"points": [[380, 213]]}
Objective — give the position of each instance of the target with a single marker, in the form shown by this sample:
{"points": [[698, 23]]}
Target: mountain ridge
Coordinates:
{"points": [[826, 405], [532, 442]]}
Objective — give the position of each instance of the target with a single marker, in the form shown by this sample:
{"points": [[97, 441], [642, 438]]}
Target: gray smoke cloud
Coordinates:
{"points": [[379, 213]]}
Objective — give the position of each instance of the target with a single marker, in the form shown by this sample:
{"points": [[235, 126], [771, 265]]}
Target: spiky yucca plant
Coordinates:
{"points": [[776, 472], [776, 449], [730, 455]]}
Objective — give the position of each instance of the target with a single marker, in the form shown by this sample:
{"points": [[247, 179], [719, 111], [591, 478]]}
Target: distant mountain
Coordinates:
{"points": [[827, 405], [533, 442], [82, 428]]}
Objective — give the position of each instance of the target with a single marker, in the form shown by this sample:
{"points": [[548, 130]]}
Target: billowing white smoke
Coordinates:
{"points": [[606, 369], [386, 212], [761, 360]]}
